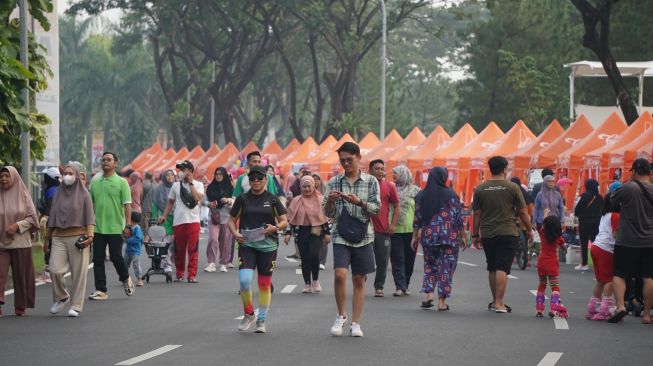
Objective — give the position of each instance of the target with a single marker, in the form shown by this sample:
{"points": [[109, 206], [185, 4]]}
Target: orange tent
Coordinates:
{"points": [[572, 159], [272, 152], [518, 137], [623, 157], [193, 156], [208, 167], [390, 143], [326, 146], [170, 163], [523, 157], [212, 152], [411, 143], [327, 164], [459, 164], [465, 136], [575, 133], [292, 146], [157, 160], [599, 159], [143, 157], [422, 157], [369, 142], [298, 156]]}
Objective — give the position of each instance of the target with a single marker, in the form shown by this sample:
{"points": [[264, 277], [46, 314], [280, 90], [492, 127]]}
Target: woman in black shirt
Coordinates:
{"points": [[588, 211]]}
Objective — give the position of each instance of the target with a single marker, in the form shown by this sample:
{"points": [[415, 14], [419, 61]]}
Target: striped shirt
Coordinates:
{"points": [[366, 187]]}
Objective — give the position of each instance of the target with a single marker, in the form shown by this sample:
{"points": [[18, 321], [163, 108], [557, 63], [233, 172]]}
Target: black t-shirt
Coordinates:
{"points": [[256, 211]]}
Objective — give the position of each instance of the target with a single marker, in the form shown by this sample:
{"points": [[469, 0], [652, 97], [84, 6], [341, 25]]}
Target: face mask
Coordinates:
{"points": [[181, 175], [68, 180]]}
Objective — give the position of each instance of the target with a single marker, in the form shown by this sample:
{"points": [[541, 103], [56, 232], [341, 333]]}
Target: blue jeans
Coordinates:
{"points": [[135, 260]]}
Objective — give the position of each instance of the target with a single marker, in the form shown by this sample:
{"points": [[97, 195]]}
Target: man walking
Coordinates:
{"points": [[350, 199], [633, 249], [383, 228], [183, 200], [495, 203], [112, 205]]}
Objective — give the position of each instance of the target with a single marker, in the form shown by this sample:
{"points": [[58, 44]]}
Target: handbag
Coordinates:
{"points": [[186, 197], [215, 216], [349, 227]]}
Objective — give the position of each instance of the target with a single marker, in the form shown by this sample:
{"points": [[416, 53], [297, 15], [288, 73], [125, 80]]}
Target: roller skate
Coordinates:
{"points": [[539, 304], [556, 309], [592, 307], [606, 310]]}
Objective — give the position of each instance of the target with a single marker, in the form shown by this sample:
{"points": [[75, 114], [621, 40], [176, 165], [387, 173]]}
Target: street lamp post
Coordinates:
{"points": [[24, 59], [383, 66], [212, 137]]}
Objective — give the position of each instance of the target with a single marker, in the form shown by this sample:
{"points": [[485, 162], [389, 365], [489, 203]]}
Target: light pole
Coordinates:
{"points": [[383, 64], [24, 59], [212, 137]]}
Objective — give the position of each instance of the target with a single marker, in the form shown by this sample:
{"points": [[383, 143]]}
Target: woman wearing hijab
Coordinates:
{"points": [[219, 193], [136, 188], [18, 220], [402, 254], [311, 229], [588, 210], [71, 219], [549, 198], [159, 202], [439, 227]]}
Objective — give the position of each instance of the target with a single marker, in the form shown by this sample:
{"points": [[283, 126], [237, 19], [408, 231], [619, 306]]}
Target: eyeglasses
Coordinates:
{"points": [[107, 159], [347, 161], [256, 178]]}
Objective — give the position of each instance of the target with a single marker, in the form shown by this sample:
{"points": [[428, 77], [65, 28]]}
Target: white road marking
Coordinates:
{"points": [[467, 264], [513, 277], [534, 292], [151, 354], [550, 359], [293, 260], [243, 316], [561, 323], [288, 289], [298, 271]]}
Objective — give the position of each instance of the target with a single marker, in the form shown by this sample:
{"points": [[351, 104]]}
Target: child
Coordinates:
{"points": [[133, 248], [601, 253], [548, 267]]}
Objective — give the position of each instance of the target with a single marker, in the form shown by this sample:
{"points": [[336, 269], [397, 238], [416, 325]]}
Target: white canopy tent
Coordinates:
{"points": [[597, 114]]}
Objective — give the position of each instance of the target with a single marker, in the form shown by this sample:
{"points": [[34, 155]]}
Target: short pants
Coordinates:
{"points": [[603, 263], [500, 252], [361, 259], [250, 258], [631, 262]]}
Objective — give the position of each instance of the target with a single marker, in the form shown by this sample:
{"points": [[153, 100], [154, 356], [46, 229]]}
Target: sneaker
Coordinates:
{"points": [[316, 287], [307, 289], [398, 293], [58, 306], [407, 292], [139, 283], [73, 313], [260, 326], [581, 267], [210, 268], [128, 285], [336, 328], [98, 295], [247, 322], [355, 330], [223, 268], [230, 265], [322, 267], [46, 277]]}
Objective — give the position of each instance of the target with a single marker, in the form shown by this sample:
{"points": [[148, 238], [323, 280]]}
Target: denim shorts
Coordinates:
{"points": [[361, 259]]}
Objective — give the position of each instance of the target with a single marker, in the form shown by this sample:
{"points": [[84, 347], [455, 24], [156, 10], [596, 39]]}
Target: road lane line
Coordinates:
{"points": [[292, 260], [298, 271], [151, 354], [467, 264], [534, 292], [561, 323], [513, 277], [550, 359], [288, 289]]}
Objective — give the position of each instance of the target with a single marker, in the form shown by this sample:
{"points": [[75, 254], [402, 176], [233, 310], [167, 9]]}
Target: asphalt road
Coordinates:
{"points": [[194, 324]]}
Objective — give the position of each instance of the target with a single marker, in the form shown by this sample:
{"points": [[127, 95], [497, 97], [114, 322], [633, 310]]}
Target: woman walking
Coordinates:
{"points": [[218, 193], [439, 228], [311, 229], [71, 227], [136, 189], [18, 220], [588, 210], [402, 254], [159, 202], [549, 198]]}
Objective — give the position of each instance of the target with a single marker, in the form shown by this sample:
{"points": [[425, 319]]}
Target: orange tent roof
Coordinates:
{"points": [[390, 143], [575, 133], [212, 152], [272, 151], [327, 162], [369, 142], [522, 157], [423, 155], [144, 156], [300, 155], [600, 157], [465, 136], [208, 168], [326, 146], [518, 137], [490, 135], [611, 127], [616, 156], [293, 145], [411, 143], [181, 155], [157, 160]]}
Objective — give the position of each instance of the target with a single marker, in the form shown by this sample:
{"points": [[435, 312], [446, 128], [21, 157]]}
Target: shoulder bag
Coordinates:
{"points": [[349, 227]]}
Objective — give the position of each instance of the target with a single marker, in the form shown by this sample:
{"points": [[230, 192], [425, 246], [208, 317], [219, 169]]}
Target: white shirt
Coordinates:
{"points": [[183, 214], [604, 239]]}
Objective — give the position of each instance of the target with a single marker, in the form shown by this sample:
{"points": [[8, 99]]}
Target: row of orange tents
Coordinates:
{"points": [[579, 152]]}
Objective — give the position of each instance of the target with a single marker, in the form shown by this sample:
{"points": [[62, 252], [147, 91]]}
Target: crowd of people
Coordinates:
{"points": [[366, 219]]}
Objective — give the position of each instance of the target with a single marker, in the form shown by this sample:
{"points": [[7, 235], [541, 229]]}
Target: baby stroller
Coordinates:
{"points": [[157, 245]]}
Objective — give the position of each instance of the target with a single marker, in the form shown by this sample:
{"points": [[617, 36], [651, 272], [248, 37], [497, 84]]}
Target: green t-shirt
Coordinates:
{"points": [[238, 189], [109, 196], [407, 225], [498, 200]]}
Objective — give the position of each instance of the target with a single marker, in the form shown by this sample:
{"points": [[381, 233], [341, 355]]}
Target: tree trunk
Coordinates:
{"points": [[224, 118], [341, 90], [292, 84], [319, 99]]}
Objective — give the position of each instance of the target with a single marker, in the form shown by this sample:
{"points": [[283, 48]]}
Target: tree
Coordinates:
{"points": [[14, 77], [596, 20]]}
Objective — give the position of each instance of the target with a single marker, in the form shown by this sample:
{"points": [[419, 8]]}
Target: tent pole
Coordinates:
{"points": [[572, 76], [641, 92]]}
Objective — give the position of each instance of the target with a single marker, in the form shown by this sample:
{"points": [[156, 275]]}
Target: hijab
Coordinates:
{"points": [[72, 205], [527, 196], [136, 183], [218, 190], [307, 210], [161, 192], [405, 188], [15, 205], [550, 197], [592, 187], [436, 194]]}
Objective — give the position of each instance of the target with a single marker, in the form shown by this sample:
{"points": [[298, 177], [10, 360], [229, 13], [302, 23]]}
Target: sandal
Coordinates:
{"points": [[427, 304], [192, 280], [491, 307], [446, 308], [378, 293], [617, 317]]}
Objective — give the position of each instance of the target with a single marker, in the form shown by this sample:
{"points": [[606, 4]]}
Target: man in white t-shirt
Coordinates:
{"points": [[185, 197]]}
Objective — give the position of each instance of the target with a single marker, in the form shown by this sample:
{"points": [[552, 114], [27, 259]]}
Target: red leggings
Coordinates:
{"points": [[553, 281], [187, 240]]}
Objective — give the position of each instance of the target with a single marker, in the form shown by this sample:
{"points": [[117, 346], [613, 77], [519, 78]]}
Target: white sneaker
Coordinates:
{"points": [[260, 327], [322, 267], [73, 313], [581, 267], [230, 265], [307, 289], [210, 268], [355, 330], [223, 268], [316, 287], [336, 328], [128, 285], [58, 306], [247, 322]]}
